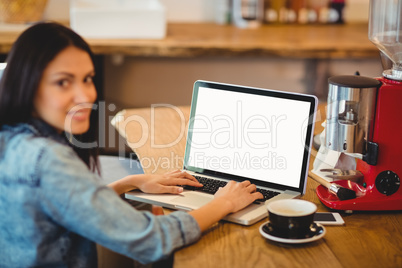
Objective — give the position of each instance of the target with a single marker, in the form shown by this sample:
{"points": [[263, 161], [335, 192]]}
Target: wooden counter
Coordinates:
{"points": [[196, 40]]}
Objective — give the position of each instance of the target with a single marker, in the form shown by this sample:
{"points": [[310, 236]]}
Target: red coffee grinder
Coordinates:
{"points": [[364, 120]]}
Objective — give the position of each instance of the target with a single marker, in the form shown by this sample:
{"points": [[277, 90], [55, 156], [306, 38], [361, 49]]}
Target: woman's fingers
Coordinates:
{"points": [[181, 174], [174, 171], [172, 189], [178, 177], [188, 176], [257, 195], [246, 183], [181, 181], [251, 188]]}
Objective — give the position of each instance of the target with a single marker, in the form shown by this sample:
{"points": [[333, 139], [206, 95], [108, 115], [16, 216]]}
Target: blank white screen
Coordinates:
{"points": [[253, 136]]}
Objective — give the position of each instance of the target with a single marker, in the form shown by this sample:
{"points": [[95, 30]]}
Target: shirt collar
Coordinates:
{"points": [[43, 129]]}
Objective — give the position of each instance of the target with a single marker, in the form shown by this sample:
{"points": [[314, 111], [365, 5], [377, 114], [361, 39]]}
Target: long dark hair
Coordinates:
{"points": [[29, 56]]}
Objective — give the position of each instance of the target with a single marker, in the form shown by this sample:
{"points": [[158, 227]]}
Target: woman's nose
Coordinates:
{"points": [[85, 93]]}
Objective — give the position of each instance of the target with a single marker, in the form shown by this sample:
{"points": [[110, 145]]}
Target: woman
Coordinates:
{"points": [[52, 205]]}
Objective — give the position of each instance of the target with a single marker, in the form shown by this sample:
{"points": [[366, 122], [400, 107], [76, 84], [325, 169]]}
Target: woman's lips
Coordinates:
{"points": [[80, 115]]}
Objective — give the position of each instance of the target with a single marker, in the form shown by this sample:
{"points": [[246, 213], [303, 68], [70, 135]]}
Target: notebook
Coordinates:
{"points": [[244, 133]]}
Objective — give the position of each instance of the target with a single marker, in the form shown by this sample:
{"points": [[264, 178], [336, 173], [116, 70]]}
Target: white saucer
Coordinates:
{"points": [[319, 233]]}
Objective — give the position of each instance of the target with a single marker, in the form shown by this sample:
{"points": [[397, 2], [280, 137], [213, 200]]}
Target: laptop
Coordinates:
{"points": [[244, 133]]}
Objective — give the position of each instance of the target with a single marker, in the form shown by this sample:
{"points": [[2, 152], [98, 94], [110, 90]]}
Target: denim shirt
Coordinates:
{"points": [[53, 209]]}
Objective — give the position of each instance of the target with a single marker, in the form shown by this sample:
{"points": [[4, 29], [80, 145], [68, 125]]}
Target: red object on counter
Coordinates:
{"points": [[387, 133]]}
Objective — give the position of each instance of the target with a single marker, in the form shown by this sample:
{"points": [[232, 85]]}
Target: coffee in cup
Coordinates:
{"points": [[291, 218]]}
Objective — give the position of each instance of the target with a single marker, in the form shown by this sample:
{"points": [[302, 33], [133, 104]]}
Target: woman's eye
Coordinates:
{"points": [[89, 79], [63, 83]]}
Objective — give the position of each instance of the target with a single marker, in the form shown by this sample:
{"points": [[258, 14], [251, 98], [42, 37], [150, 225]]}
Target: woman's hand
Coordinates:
{"points": [[229, 199], [167, 183], [239, 194], [155, 184]]}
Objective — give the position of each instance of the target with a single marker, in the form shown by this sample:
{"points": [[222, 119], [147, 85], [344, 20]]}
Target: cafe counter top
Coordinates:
{"points": [[345, 41]]}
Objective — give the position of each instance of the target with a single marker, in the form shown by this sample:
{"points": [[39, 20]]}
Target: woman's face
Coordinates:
{"points": [[66, 91]]}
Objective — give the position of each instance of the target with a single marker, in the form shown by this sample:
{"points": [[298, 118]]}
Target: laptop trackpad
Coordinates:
{"points": [[192, 200]]}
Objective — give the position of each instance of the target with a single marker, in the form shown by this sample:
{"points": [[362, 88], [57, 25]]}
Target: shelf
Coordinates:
{"points": [[205, 40]]}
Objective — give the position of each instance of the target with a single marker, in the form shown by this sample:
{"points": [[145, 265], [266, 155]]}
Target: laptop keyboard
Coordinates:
{"points": [[211, 186]]}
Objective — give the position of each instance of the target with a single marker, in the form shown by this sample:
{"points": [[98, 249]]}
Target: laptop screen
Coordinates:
{"points": [[248, 133]]}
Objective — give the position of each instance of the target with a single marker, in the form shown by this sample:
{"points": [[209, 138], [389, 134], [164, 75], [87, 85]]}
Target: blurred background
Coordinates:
{"points": [[139, 81]]}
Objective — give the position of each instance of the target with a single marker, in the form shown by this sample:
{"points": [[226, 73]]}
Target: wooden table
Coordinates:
{"points": [[208, 39], [368, 239]]}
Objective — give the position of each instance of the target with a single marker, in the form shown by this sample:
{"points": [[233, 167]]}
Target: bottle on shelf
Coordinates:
{"points": [[247, 13]]}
